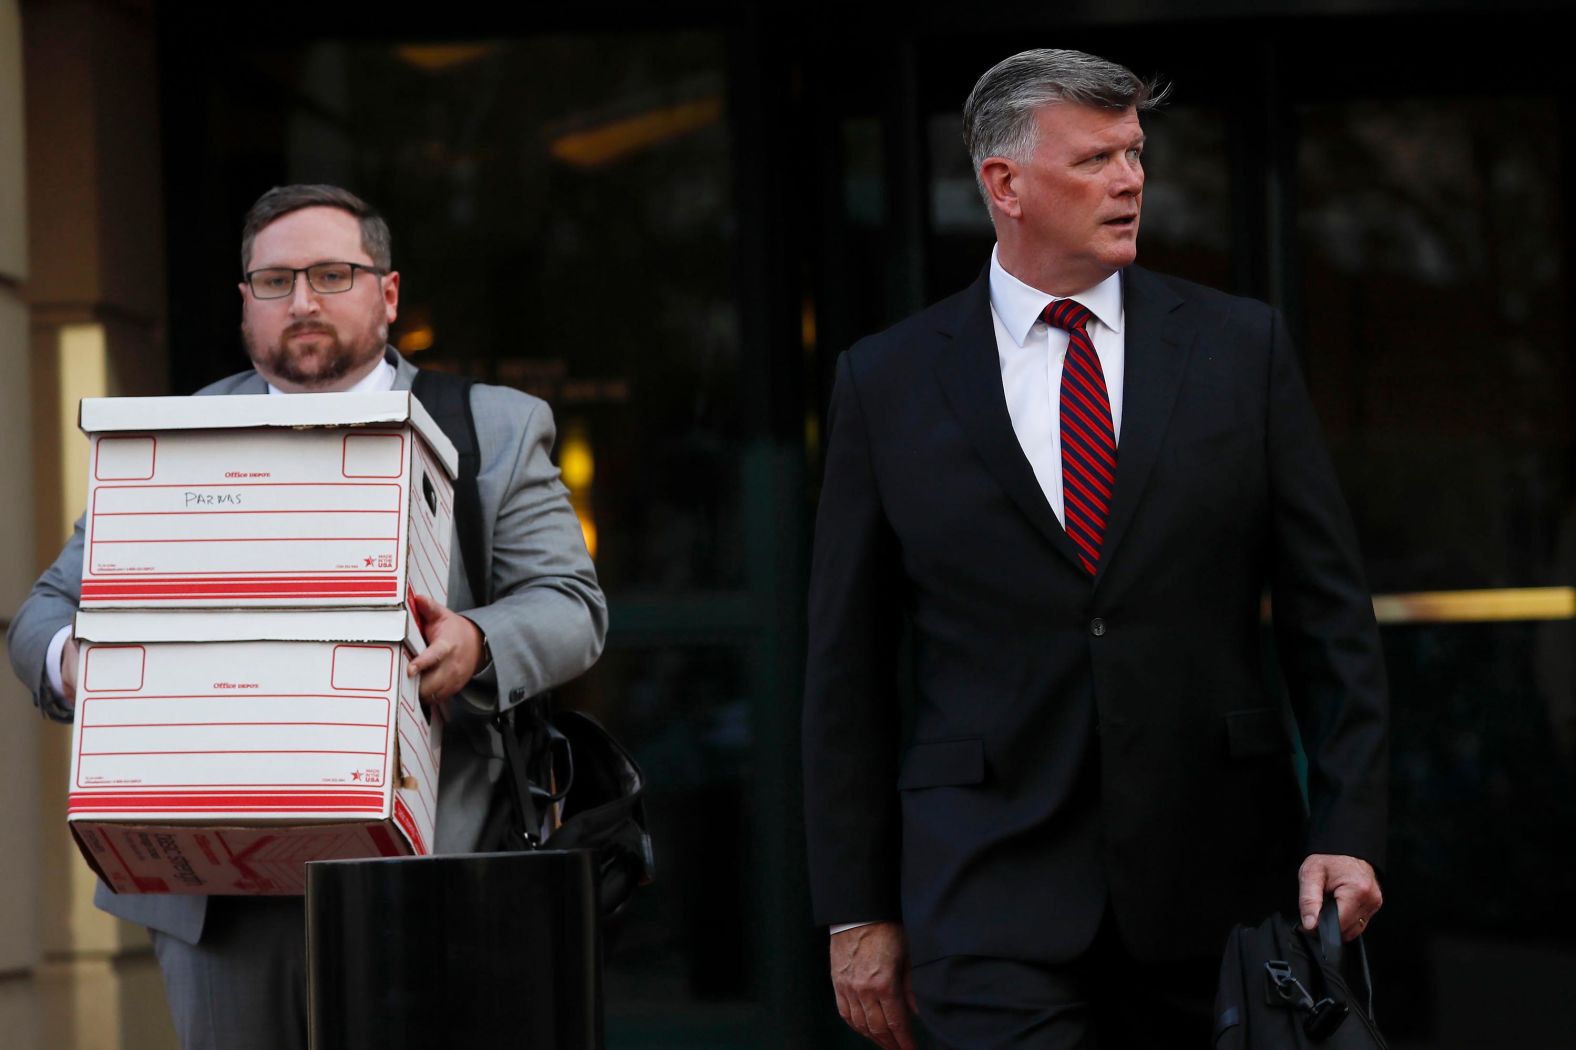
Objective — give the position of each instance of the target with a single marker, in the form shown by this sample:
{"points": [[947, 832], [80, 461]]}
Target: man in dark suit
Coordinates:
{"points": [[1074, 481]]}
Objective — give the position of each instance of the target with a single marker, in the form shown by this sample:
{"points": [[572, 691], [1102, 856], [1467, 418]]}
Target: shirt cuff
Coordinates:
{"points": [[57, 644], [844, 927]]}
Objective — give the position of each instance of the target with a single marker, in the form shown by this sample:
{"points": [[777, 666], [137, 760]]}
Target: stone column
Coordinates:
{"points": [[21, 950], [95, 295]]}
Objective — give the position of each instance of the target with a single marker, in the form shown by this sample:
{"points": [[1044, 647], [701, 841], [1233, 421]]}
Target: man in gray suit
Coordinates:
{"points": [[317, 298]]}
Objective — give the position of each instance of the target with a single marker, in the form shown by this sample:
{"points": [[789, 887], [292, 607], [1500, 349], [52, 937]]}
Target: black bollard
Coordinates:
{"points": [[497, 950]]}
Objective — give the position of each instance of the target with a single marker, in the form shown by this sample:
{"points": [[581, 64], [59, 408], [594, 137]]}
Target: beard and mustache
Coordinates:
{"points": [[321, 364]]}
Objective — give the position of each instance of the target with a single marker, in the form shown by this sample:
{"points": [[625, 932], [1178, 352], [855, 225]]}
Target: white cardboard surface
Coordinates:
{"points": [[242, 411], [246, 501], [232, 625], [223, 766]]}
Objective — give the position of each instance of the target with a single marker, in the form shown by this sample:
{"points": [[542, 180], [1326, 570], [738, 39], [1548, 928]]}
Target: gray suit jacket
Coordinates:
{"points": [[545, 623]]}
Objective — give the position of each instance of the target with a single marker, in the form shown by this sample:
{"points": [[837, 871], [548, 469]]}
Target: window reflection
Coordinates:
{"points": [[563, 222], [1432, 283], [1187, 203], [683, 712], [1433, 287], [1483, 798]]}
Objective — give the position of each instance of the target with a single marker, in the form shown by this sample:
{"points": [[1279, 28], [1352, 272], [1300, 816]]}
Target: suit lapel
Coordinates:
{"points": [[1157, 344], [969, 370], [404, 371]]}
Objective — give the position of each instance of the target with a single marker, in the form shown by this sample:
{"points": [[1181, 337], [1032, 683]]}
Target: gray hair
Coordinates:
{"points": [[282, 200], [998, 118]]}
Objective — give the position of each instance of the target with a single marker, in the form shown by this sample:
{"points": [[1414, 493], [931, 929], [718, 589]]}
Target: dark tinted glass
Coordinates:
{"points": [[1433, 286], [685, 940], [1433, 273]]}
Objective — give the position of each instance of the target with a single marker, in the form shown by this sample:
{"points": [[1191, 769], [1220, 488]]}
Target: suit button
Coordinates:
{"points": [[1097, 627]]}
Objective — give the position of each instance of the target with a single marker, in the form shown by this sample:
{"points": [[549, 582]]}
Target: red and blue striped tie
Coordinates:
{"points": [[1088, 438]]}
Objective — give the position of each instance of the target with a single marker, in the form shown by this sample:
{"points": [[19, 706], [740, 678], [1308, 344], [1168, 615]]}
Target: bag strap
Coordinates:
{"points": [[518, 778], [1333, 952], [535, 752], [1329, 928], [447, 399]]}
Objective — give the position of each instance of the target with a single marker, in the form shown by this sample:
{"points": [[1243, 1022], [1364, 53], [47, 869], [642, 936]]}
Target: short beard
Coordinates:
{"points": [[321, 368]]}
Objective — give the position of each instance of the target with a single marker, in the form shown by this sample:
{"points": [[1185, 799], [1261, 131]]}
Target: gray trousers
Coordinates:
{"points": [[243, 987]]}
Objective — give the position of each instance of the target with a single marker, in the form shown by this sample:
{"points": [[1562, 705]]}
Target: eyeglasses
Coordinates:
{"points": [[325, 278]]}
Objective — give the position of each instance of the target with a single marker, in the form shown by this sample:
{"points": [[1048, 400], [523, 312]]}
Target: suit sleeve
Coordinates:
{"points": [[1326, 637], [851, 718], [547, 620], [49, 606]]}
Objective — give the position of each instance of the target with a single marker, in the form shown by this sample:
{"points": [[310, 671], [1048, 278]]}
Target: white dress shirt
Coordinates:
{"points": [[376, 381], [1031, 353]]}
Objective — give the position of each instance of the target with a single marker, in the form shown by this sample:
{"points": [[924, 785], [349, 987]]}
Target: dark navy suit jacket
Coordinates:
{"points": [[1080, 741]]}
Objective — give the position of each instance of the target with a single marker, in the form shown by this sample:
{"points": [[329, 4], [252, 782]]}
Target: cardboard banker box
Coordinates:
{"points": [[259, 500], [218, 752], [242, 703]]}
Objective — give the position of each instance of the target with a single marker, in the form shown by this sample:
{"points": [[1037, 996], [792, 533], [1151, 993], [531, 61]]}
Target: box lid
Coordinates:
{"points": [[208, 625], [237, 411]]}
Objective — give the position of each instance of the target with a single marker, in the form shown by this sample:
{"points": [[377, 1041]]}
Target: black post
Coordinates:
{"points": [[500, 950]]}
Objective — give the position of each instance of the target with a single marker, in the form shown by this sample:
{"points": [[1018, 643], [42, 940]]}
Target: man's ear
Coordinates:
{"points": [[391, 295], [1000, 177]]}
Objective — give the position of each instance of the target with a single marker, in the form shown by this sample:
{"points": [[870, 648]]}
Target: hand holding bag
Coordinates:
{"points": [[1283, 988]]}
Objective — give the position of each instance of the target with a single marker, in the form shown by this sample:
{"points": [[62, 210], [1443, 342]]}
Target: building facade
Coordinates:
{"points": [[668, 223]]}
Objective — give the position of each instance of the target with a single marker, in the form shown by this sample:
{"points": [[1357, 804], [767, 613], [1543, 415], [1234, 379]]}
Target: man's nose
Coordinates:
{"points": [[1129, 178], [303, 300]]}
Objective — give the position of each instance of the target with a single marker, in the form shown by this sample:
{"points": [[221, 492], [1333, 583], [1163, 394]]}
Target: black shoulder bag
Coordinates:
{"points": [[1283, 988], [566, 783]]}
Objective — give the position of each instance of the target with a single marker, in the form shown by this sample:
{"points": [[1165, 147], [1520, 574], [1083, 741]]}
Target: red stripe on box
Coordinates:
{"points": [[402, 817], [338, 807], [384, 842], [125, 868], [252, 539], [172, 811], [230, 751], [207, 791], [250, 697], [181, 580], [211, 513], [92, 806], [180, 588], [281, 577], [204, 725], [154, 799]]}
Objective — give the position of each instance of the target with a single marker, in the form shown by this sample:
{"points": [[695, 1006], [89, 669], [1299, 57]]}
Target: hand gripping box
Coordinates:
{"points": [[263, 500], [218, 752]]}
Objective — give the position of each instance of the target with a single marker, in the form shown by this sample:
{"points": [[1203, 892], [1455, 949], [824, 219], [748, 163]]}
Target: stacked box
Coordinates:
{"points": [[245, 628]]}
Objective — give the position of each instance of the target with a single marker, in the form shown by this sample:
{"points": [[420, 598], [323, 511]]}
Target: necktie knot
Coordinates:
{"points": [[1066, 314]]}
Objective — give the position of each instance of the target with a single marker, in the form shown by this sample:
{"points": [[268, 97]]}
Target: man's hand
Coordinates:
{"points": [[68, 670], [453, 654], [870, 976], [1354, 884]]}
